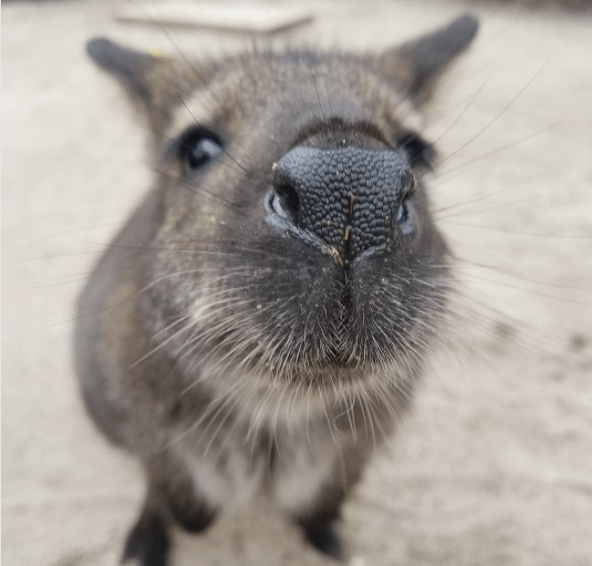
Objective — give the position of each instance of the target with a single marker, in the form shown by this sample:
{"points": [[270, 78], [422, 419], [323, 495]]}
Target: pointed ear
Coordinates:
{"points": [[418, 64], [151, 81]]}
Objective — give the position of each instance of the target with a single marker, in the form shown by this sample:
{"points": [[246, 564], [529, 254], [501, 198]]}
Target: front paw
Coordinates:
{"points": [[325, 539], [148, 542]]}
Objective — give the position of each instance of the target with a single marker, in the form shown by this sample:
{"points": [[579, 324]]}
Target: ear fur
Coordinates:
{"points": [[419, 63], [152, 82], [130, 67]]}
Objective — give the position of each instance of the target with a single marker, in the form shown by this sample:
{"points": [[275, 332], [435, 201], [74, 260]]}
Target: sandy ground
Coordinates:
{"points": [[495, 466]]}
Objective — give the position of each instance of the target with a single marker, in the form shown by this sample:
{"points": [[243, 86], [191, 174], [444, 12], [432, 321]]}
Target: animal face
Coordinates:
{"points": [[295, 240]]}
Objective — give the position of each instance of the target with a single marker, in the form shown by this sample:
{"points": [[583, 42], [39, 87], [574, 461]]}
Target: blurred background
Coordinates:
{"points": [[495, 465]]}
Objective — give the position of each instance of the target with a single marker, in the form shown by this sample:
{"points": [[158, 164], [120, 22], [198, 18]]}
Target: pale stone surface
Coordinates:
{"points": [[495, 466]]}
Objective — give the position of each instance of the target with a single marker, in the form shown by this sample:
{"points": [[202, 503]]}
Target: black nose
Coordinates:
{"points": [[347, 196]]}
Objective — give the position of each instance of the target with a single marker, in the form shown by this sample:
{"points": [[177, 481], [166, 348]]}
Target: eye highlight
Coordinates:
{"points": [[198, 147]]}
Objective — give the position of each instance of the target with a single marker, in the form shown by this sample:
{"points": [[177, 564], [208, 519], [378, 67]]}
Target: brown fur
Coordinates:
{"points": [[232, 350]]}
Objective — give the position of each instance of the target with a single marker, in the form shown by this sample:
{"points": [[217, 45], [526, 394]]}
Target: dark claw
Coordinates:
{"points": [[325, 539], [148, 541], [195, 521]]}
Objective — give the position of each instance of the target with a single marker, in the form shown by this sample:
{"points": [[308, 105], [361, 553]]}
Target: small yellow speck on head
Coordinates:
{"points": [[157, 52]]}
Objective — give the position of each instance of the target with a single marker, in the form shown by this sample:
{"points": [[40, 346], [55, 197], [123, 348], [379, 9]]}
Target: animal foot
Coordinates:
{"points": [[325, 539], [148, 542]]}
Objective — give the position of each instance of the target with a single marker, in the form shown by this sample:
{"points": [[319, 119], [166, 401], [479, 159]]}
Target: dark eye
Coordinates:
{"points": [[198, 147], [420, 152]]}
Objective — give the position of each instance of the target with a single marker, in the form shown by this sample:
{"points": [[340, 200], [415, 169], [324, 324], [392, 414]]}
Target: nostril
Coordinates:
{"points": [[286, 202]]}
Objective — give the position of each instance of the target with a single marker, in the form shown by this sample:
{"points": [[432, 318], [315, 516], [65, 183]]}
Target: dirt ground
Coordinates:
{"points": [[494, 467]]}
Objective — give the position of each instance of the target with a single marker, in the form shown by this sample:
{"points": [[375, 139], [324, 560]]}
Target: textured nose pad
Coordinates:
{"points": [[347, 196]]}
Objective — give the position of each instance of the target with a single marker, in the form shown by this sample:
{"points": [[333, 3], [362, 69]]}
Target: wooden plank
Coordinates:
{"points": [[259, 19]]}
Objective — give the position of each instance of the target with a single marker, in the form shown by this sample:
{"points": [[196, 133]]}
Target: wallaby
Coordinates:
{"points": [[261, 321]]}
